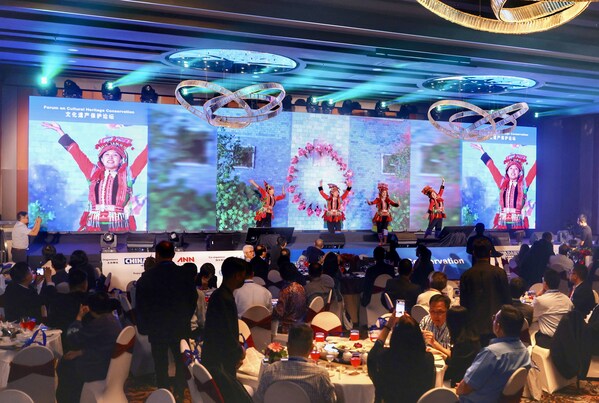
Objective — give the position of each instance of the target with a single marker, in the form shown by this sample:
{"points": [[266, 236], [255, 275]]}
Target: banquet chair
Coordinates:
{"points": [[107, 282], [326, 322], [537, 288], [259, 281], [63, 288], [142, 362], [259, 320], [33, 371], [190, 361], [327, 305], [375, 308], [418, 312], [205, 384], [161, 396], [131, 288], [274, 283], [596, 295], [439, 395], [513, 389], [245, 335], [128, 311], [388, 303], [286, 391], [550, 378], [110, 390], [14, 396], [593, 371], [316, 306]]}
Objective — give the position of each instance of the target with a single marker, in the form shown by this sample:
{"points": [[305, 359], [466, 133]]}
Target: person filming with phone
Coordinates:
{"points": [[434, 326], [21, 234]]}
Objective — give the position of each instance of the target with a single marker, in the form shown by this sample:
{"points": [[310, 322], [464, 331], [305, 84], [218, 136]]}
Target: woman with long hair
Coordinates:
{"points": [[382, 217], [516, 262], [465, 344], [334, 214], [404, 371]]}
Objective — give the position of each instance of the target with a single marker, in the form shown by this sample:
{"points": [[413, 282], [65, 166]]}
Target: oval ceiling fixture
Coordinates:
{"points": [[233, 61], [476, 84], [536, 17]]}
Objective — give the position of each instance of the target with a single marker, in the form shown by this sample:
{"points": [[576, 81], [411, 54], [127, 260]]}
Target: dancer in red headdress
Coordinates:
{"points": [[382, 217], [334, 214], [513, 187], [436, 209], [110, 181], [268, 199]]}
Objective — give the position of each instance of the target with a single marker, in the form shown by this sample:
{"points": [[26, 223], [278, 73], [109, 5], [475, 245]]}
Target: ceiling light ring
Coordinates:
{"points": [[536, 10], [462, 133]]}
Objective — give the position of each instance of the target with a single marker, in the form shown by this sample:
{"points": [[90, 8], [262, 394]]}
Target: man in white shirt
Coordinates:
{"points": [[251, 294], [438, 284], [20, 236], [549, 308]]}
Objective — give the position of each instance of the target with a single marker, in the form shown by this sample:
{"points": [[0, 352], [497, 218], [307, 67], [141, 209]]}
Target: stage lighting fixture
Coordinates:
{"points": [[177, 240], [110, 92], [71, 90], [46, 88], [312, 105], [327, 106], [148, 95], [288, 103], [381, 108], [108, 242], [347, 107]]}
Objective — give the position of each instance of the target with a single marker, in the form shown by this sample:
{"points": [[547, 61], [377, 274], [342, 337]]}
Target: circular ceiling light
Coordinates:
{"points": [[234, 61], [478, 84]]}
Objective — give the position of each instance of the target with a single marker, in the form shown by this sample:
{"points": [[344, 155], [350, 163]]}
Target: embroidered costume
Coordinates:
{"points": [[109, 191], [436, 209], [264, 215], [512, 193], [382, 217], [334, 214]]}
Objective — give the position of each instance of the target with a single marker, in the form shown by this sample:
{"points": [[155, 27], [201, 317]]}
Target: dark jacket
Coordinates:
{"points": [[313, 254], [401, 288], [422, 269], [463, 354], [20, 302], [260, 267], [583, 298], [535, 262], [571, 346], [62, 311]]}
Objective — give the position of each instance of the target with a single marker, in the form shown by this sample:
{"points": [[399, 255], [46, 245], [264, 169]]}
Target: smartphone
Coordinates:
{"points": [[400, 307], [40, 271]]}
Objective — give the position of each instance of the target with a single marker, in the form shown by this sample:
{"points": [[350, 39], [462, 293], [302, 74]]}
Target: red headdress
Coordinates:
{"points": [[332, 187], [383, 186], [515, 159], [267, 186], [116, 143], [427, 190]]}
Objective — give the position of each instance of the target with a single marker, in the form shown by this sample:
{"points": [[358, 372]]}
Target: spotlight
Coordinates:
{"points": [[347, 107], [380, 109], [327, 106], [108, 242], [187, 96], [110, 92], [312, 105], [148, 95], [46, 88], [287, 103], [536, 114], [71, 90], [177, 240]]}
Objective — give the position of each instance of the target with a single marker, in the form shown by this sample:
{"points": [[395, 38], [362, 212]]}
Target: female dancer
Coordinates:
{"points": [[264, 215], [333, 215], [436, 209], [110, 180], [382, 217], [513, 187]]}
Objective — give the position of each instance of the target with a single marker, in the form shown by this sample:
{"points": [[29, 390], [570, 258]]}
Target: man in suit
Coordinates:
{"points": [[483, 290], [401, 287], [166, 301], [536, 261], [275, 252], [582, 292], [260, 262], [380, 267], [21, 298]]}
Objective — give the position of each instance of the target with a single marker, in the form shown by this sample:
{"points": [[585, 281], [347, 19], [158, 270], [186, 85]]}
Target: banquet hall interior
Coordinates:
{"points": [[212, 103]]}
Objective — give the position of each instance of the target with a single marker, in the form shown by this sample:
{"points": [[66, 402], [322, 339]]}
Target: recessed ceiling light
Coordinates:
{"points": [[73, 50], [377, 69]]}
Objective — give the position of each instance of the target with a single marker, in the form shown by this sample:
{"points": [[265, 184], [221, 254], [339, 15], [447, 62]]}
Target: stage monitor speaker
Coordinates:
{"points": [[222, 241], [404, 239], [500, 238], [141, 242], [537, 235], [254, 233], [332, 241], [466, 230]]}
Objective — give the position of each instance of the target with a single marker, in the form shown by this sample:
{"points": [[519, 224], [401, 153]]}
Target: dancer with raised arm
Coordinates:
{"points": [[436, 209], [264, 215], [382, 217], [334, 214]]}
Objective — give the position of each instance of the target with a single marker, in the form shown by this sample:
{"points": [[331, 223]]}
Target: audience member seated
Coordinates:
{"points": [[285, 265], [94, 339], [260, 263], [404, 371], [314, 253], [493, 366], [251, 294], [582, 290], [21, 298], [401, 287], [330, 265], [517, 290], [198, 319], [479, 230], [438, 284], [465, 344], [206, 279], [392, 256], [561, 262], [59, 264], [379, 267], [79, 260], [536, 261], [423, 267], [149, 263], [275, 252], [313, 379], [319, 286], [248, 253], [48, 252], [434, 325], [291, 307], [549, 308], [515, 263]]}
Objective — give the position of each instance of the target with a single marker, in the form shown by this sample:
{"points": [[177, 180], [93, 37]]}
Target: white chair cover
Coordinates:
{"points": [[259, 321], [62, 288], [327, 321], [107, 281], [33, 372], [14, 396], [274, 277], [110, 390], [131, 288], [285, 391], [161, 396], [439, 395], [537, 288], [259, 281], [316, 306], [418, 312], [389, 302], [245, 335], [515, 385], [274, 291], [329, 299], [193, 390], [375, 308], [596, 295], [142, 362], [208, 390], [593, 368], [550, 378]]}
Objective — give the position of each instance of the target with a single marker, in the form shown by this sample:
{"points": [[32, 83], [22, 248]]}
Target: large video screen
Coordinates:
{"points": [[119, 166]]}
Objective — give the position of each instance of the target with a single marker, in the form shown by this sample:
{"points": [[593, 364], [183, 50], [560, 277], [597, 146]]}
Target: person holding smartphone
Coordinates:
{"points": [[434, 326], [21, 296], [21, 234]]}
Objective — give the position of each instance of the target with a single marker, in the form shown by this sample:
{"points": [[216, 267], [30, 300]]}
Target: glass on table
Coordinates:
{"points": [[354, 335], [374, 335], [319, 337], [315, 355], [356, 360]]}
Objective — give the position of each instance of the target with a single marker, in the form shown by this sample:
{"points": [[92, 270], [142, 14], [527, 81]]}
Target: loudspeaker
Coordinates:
{"points": [[537, 235], [254, 233], [332, 241], [140, 242], [222, 242], [500, 238], [404, 239], [466, 230]]}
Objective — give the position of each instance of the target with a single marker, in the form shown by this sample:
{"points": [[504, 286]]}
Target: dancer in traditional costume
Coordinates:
{"points": [[382, 217], [264, 215], [436, 209], [334, 214]]}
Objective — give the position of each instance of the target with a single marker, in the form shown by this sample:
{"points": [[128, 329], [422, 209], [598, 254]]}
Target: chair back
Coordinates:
{"points": [[32, 371], [379, 283], [259, 320], [161, 396], [512, 391], [62, 288], [190, 361], [418, 312], [274, 283], [439, 395], [316, 306], [208, 389], [327, 323], [120, 363], [327, 305], [259, 281], [131, 288], [274, 291], [388, 302], [286, 391], [596, 295], [375, 308], [524, 333], [245, 335], [14, 396], [128, 311], [274, 276], [537, 288], [107, 281]]}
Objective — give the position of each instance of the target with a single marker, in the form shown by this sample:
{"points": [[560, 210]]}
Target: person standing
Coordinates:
{"points": [[586, 237], [382, 217], [264, 215], [334, 214], [436, 209], [20, 236]]}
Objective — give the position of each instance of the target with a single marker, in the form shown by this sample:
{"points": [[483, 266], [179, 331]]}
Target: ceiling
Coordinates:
{"points": [[346, 49]]}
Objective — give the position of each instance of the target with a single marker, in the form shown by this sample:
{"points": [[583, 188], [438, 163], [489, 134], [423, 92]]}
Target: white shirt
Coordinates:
{"points": [[251, 294], [20, 236], [425, 297], [560, 263], [548, 310]]}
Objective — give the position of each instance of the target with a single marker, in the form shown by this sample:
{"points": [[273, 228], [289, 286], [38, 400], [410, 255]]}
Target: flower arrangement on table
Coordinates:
{"points": [[275, 351], [578, 255]]}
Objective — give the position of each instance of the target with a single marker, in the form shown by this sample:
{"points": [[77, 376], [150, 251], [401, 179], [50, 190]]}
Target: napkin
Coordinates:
{"points": [[252, 362]]}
